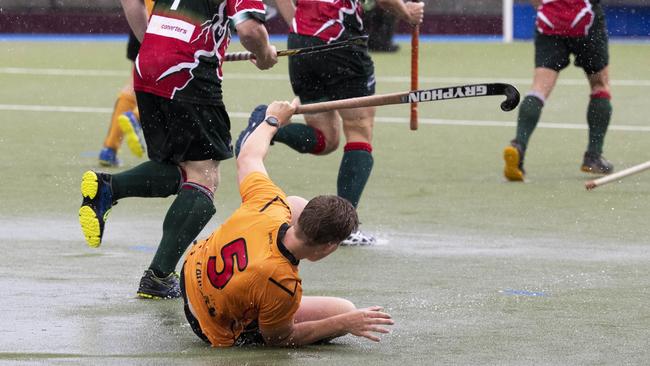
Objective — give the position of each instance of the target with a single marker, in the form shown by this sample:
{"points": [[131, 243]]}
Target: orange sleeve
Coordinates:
{"points": [[257, 189], [149, 5], [280, 302]]}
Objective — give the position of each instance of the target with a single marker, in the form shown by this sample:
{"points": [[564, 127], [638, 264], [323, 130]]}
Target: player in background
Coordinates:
{"points": [[338, 74], [241, 285], [125, 120], [380, 25], [566, 27], [177, 80]]}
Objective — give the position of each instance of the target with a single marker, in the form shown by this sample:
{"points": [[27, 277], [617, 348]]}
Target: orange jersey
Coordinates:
{"points": [[149, 5], [243, 272]]}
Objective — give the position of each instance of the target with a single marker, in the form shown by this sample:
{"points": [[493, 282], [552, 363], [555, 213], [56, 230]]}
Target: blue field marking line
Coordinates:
{"points": [[142, 248], [23, 37], [513, 292], [401, 38], [274, 38]]}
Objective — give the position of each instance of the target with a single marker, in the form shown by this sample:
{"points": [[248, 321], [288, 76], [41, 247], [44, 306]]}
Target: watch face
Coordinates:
{"points": [[272, 121]]}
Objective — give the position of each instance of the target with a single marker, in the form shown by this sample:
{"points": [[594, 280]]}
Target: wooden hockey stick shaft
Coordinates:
{"points": [[425, 95], [415, 55], [243, 56], [616, 176]]}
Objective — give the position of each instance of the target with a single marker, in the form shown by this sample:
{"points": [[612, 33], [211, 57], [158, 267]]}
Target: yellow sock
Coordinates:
{"points": [[124, 103]]}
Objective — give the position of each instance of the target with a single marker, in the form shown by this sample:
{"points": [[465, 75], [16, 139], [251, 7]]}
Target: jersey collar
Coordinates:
{"points": [[285, 252]]}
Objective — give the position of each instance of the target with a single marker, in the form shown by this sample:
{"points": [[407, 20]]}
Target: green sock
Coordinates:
{"points": [[186, 217], [300, 137], [149, 179], [529, 113], [599, 113], [354, 172]]}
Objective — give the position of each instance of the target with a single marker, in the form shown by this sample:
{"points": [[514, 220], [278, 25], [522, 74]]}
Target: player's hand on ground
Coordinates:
{"points": [[267, 59], [366, 322], [282, 111], [415, 12]]}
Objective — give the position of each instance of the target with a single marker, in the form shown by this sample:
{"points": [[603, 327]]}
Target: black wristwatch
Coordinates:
{"points": [[272, 121]]}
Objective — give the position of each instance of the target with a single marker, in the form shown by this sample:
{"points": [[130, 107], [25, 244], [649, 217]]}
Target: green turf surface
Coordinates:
{"points": [[474, 270]]}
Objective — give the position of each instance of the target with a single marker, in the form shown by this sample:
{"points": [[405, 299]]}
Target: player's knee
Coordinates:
{"points": [[205, 173]]}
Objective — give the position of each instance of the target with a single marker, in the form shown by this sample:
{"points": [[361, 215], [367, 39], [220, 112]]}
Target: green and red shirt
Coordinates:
{"points": [[184, 46]]}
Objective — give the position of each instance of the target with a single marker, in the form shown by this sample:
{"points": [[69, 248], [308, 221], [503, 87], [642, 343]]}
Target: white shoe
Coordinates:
{"points": [[359, 238]]}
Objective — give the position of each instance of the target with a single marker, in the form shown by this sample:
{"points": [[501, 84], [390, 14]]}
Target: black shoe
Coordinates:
{"points": [[256, 118], [596, 164], [513, 156], [154, 287], [95, 206]]}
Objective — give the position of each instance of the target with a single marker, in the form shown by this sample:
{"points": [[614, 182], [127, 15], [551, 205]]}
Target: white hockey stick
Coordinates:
{"points": [[616, 176]]}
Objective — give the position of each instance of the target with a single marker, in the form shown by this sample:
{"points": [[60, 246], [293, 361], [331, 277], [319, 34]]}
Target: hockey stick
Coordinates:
{"points": [[425, 95], [616, 176], [415, 54], [354, 41]]}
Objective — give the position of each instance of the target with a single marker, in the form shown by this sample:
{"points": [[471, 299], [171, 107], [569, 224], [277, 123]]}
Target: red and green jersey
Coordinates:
{"points": [[328, 20], [184, 45], [567, 18]]}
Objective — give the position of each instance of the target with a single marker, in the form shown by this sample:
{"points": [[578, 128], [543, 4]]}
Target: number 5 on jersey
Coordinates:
{"points": [[231, 252]]}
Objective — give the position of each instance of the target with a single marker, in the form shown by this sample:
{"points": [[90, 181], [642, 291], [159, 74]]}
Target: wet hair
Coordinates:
{"points": [[327, 219]]}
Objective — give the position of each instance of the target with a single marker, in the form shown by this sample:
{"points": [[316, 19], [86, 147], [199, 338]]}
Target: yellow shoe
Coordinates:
{"points": [[97, 202], [132, 133], [514, 163]]}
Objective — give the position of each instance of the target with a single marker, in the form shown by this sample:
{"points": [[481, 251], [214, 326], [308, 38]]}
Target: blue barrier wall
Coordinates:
{"points": [[622, 21]]}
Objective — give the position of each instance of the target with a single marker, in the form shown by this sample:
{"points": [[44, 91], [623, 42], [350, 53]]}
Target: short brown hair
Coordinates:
{"points": [[327, 219]]}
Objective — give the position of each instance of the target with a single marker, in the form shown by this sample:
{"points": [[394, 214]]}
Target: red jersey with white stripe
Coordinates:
{"points": [[184, 45], [328, 20], [567, 18]]}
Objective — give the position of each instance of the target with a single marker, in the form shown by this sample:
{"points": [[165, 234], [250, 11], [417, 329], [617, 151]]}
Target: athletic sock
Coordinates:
{"points": [[529, 113], [599, 113], [124, 103], [354, 171], [149, 179], [302, 138], [186, 217]]}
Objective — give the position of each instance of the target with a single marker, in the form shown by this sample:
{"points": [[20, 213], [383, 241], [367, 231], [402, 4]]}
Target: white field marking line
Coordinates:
{"points": [[427, 121], [284, 77]]}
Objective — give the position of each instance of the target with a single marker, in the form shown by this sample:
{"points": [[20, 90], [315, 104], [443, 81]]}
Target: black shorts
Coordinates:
{"points": [[251, 335], [132, 47], [591, 52], [177, 131], [338, 74]]}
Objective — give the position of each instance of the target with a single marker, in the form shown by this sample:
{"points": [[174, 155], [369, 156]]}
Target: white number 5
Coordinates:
{"points": [[175, 5]]}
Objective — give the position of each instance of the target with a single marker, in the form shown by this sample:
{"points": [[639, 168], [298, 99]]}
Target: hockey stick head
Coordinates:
{"points": [[512, 98]]}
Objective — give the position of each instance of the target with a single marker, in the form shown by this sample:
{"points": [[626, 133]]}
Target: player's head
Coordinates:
{"points": [[326, 221]]}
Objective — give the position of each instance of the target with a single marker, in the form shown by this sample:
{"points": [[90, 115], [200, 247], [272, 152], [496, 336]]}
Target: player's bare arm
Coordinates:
{"points": [[136, 16], [256, 146], [287, 9], [360, 322], [536, 3], [254, 37], [411, 12]]}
